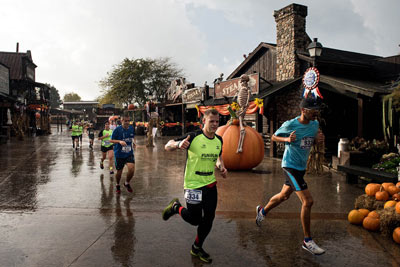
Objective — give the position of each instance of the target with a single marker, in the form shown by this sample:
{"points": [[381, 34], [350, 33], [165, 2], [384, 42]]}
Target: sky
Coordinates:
{"points": [[76, 43]]}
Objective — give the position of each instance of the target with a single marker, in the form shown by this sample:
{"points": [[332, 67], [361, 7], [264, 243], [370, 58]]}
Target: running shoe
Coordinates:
{"points": [[312, 247], [170, 209], [260, 217], [118, 189], [101, 165], [128, 187], [199, 252]]}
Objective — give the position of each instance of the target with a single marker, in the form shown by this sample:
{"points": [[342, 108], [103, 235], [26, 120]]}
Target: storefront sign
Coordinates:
{"points": [[230, 88], [4, 80], [192, 95]]}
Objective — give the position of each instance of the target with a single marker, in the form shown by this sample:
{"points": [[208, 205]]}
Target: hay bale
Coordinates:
{"points": [[368, 202], [389, 220]]}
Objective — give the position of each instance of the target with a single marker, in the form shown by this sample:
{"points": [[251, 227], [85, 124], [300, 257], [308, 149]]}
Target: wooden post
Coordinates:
{"points": [[259, 122], [183, 119], [272, 146], [360, 117]]}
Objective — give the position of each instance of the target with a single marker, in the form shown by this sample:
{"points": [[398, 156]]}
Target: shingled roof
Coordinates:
{"points": [[14, 61]]}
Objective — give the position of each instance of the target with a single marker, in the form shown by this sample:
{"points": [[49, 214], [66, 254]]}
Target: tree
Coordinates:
{"points": [[55, 99], [134, 80], [108, 98], [71, 97]]}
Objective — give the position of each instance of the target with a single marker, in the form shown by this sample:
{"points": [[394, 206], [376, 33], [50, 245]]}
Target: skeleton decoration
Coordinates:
{"points": [[243, 97]]}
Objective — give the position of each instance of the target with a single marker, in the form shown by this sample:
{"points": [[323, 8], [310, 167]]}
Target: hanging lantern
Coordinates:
{"points": [[131, 107]]}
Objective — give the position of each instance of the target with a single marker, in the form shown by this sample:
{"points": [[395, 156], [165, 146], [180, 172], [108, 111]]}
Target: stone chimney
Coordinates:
{"points": [[290, 36]]}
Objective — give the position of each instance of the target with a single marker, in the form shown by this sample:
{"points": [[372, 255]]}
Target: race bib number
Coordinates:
{"points": [[126, 149], [193, 196], [107, 143], [307, 142]]}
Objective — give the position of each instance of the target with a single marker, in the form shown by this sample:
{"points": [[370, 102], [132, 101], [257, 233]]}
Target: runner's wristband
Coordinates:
{"points": [[179, 143]]}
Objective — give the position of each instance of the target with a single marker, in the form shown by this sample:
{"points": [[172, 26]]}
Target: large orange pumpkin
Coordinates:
{"points": [[386, 185], [398, 207], [382, 195], [253, 147], [398, 185], [396, 235], [371, 223], [371, 189], [355, 217]]}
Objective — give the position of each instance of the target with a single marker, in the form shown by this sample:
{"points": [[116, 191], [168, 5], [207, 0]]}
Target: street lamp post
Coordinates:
{"points": [[315, 50]]}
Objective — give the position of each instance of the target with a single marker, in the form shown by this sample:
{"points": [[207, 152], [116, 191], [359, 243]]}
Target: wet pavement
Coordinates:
{"points": [[58, 208]]}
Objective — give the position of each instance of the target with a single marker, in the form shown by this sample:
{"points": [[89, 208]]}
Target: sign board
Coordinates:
{"points": [[192, 95], [229, 88], [4, 80]]}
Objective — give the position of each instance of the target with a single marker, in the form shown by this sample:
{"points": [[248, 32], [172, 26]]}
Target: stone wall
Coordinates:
{"points": [[286, 106], [291, 36]]}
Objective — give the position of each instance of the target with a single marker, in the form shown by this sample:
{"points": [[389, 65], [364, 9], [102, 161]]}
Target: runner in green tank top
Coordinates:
{"points": [[204, 148], [75, 135], [106, 147]]}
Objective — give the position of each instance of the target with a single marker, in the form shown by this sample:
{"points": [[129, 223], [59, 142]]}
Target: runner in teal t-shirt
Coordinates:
{"points": [[299, 135]]}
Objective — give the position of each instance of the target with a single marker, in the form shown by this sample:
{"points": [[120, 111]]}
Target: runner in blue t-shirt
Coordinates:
{"points": [[299, 135], [124, 143]]}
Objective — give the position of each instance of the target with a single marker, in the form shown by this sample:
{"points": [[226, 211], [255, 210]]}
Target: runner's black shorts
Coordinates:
{"points": [[74, 137], [80, 137], [91, 136], [104, 149], [295, 179], [120, 162]]}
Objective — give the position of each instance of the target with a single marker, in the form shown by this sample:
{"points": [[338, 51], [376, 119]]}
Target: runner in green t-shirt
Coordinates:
{"points": [[204, 148], [107, 147], [75, 135]]}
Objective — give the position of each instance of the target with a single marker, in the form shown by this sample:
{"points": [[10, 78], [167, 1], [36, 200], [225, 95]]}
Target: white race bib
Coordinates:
{"points": [[126, 149], [107, 143], [307, 142], [193, 196]]}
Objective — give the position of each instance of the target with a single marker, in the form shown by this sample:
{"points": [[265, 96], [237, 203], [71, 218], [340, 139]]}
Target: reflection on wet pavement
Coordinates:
{"points": [[58, 208]]}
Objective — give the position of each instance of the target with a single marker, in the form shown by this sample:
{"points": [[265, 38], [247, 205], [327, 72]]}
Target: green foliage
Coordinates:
{"points": [[390, 103], [71, 97], [389, 163], [134, 80], [55, 100]]}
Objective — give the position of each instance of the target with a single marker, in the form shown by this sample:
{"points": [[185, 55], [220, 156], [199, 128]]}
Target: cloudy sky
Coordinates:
{"points": [[75, 43]]}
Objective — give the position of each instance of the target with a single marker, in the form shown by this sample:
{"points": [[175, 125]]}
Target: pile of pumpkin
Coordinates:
{"points": [[379, 209]]}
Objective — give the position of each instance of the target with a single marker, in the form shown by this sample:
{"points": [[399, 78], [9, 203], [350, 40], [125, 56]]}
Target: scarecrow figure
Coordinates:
{"points": [[243, 97], [152, 113]]}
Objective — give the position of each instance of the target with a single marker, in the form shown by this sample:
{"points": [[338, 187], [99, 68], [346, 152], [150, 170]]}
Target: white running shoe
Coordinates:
{"points": [[260, 216], [312, 247]]}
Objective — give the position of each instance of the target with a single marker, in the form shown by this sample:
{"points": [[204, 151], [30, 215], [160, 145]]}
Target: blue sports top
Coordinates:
{"points": [[126, 135], [296, 153]]}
